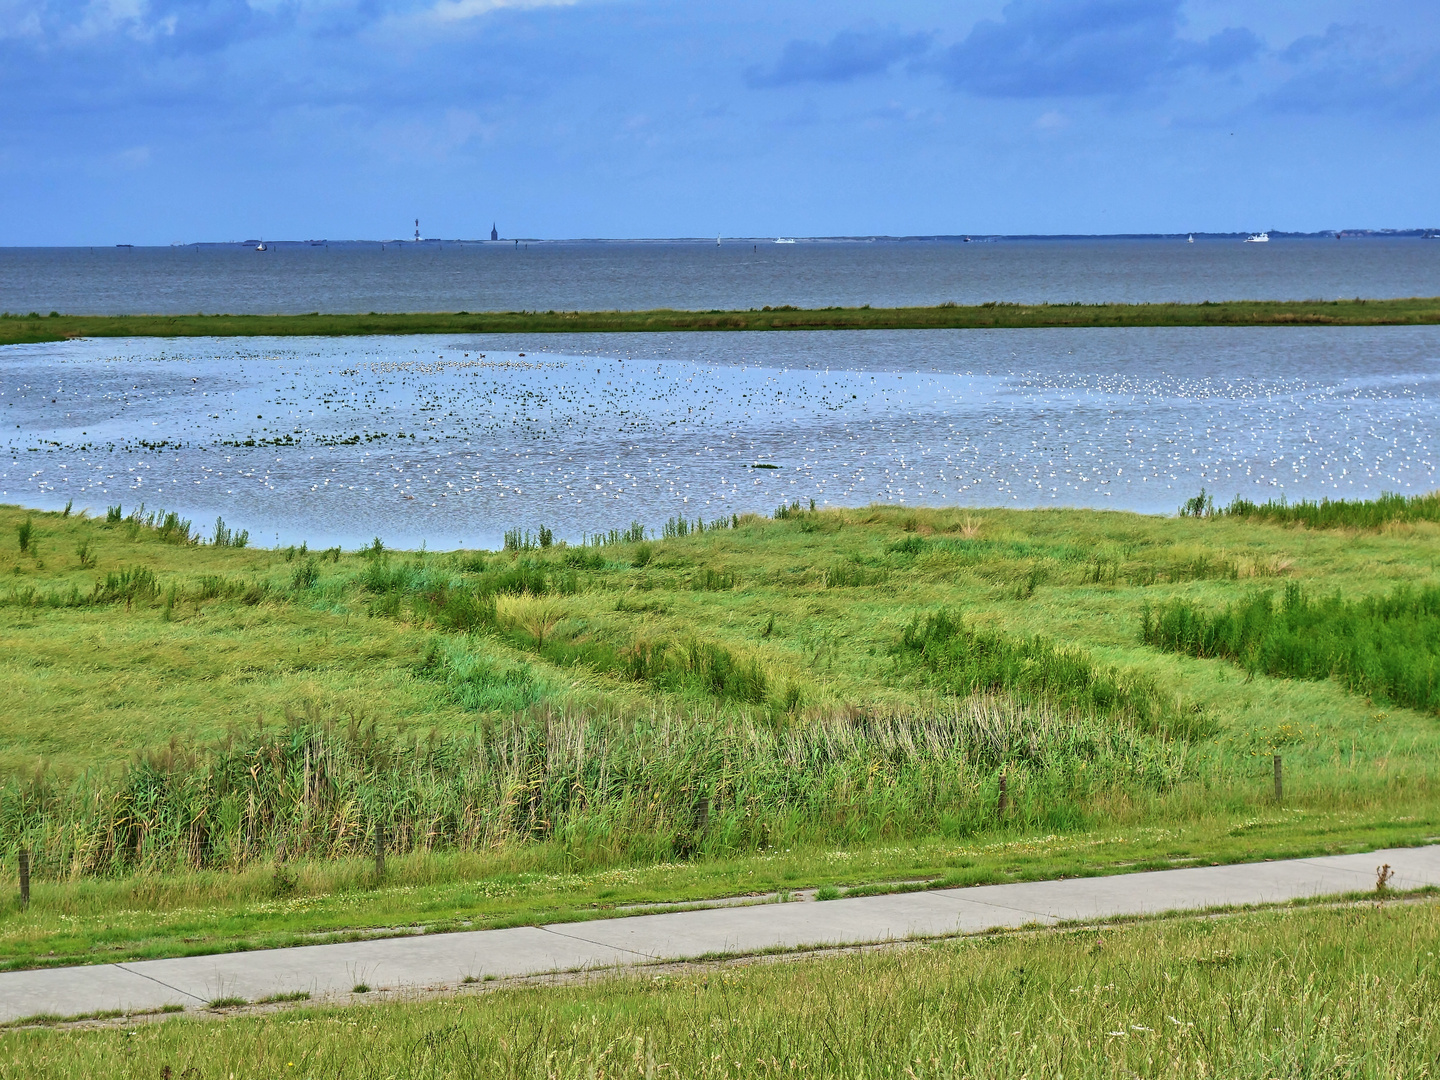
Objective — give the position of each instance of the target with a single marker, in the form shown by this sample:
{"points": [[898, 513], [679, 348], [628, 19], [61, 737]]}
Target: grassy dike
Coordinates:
{"points": [[199, 742], [1348, 992], [15, 329]]}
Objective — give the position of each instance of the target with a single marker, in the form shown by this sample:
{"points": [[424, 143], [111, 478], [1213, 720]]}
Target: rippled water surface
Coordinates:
{"points": [[451, 441], [359, 277]]}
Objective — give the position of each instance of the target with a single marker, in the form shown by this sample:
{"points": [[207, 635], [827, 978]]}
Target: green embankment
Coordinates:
{"points": [[200, 742], [1401, 312], [1352, 992]]}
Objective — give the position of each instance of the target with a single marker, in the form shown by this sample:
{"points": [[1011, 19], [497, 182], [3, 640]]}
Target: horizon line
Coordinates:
{"points": [[721, 239]]}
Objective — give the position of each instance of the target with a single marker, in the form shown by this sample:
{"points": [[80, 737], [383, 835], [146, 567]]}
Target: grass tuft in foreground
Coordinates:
{"points": [[1351, 992]]}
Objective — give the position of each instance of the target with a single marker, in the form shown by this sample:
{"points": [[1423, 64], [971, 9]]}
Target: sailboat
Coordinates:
{"points": [[1191, 239], [1258, 238]]}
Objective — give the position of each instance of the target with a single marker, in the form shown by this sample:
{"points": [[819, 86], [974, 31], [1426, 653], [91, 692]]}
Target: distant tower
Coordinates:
{"points": [[417, 230], [494, 232]]}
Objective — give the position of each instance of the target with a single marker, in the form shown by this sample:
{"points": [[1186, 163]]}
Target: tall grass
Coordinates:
{"points": [[164, 525], [228, 537], [1387, 647], [605, 788], [633, 535], [963, 660], [1338, 513]]}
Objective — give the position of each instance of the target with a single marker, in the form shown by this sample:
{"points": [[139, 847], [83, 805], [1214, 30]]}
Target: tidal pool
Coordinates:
{"points": [[451, 441]]}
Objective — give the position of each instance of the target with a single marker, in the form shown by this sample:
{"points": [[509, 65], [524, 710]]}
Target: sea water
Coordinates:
{"points": [[451, 440], [540, 276]]}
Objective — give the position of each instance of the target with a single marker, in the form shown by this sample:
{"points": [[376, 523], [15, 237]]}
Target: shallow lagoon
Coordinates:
{"points": [[451, 441]]}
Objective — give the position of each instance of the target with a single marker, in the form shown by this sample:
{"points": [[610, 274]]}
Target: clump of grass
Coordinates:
{"points": [[230, 1002], [641, 556], [132, 584], [477, 682], [1202, 505], [708, 579], [518, 540], [677, 527], [1387, 647], [282, 999], [911, 545], [85, 553], [1338, 513], [963, 660], [694, 665], [305, 575], [227, 537], [851, 575], [360, 988], [25, 532], [633, 535]]}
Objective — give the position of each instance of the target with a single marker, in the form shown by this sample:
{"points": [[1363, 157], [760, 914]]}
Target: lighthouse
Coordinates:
{"points": [[494, 232]]}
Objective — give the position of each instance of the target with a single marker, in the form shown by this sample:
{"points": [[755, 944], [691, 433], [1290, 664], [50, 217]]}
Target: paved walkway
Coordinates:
{"points": [[437, 961]]}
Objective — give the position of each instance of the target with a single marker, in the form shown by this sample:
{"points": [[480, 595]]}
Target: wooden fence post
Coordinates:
{"points": [[1279, 787], [1004, 796], [24, 877], [379, 849]]}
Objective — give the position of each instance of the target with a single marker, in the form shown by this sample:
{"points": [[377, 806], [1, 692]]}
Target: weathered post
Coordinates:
{"points": [[1004, 796], [1279, 787], [24, 877], [379, 849]]}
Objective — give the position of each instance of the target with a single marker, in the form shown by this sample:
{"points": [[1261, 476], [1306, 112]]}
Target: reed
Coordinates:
{"points": [[1333, 513], [604, 788], [1386, 647]]}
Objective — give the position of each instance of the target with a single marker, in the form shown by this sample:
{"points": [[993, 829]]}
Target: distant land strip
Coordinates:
{"points": [[18, 329]]}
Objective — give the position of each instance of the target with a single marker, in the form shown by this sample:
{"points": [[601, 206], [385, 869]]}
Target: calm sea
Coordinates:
{"points": [[451, 440], [434, 276]]}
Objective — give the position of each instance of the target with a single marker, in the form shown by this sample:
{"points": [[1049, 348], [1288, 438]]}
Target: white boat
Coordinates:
{"points": [[1258, 238], [259, 247], [783, 240], [1191, 239]]}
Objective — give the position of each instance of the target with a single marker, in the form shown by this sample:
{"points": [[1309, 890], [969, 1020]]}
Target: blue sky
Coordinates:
{"points": [[157, 121]]}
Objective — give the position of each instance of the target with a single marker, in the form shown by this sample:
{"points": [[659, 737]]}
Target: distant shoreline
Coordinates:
{"points": [[881, 238], [16, 329]]}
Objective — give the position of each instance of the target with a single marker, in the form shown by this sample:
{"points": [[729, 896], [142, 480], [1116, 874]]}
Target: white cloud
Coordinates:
{"points": [[448, 11]]}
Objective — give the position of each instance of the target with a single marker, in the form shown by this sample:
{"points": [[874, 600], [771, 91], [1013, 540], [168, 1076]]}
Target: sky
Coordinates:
{"points": [[165, 121]]}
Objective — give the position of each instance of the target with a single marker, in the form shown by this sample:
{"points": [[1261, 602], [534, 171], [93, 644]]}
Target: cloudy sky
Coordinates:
{"points": [[156, 121]]}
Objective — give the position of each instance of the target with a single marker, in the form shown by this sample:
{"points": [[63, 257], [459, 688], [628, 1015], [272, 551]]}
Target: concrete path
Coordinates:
{"points": [[439, 960]]}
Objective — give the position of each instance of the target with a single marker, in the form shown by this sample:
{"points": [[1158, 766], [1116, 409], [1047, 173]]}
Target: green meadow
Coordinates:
{"points": [[202, 744], [1344, 992], [35, 326]]}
